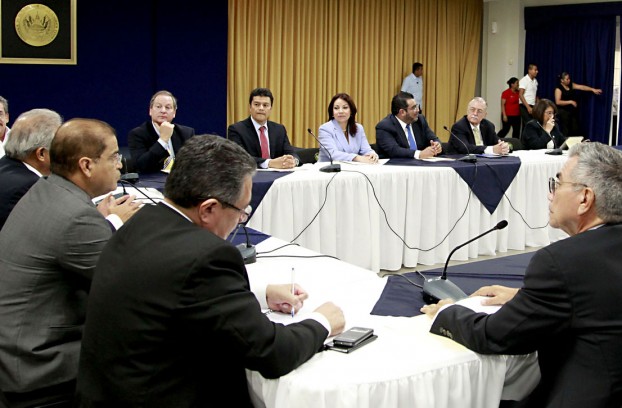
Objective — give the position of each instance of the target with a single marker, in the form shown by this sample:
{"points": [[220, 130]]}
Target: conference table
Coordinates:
{"points": [[406, 366], [388, 217]]}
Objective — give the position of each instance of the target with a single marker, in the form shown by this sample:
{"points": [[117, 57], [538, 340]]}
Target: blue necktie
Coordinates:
{"points": [[411, 139]]}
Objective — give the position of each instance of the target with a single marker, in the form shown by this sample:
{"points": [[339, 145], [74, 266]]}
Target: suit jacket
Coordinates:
{"points": [[244, 134], [392, 140], [569, 311], [462, 130], [175, 328], [535, 137], [50, 244], [335, 142], [147, 153], [15, 180]]}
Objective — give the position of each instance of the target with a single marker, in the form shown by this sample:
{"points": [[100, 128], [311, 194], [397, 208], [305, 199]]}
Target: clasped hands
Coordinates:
{"points": [[284, 162]]}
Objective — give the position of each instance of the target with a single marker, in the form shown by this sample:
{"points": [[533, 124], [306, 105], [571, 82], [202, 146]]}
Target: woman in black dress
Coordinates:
{"points": [[566, 101]]}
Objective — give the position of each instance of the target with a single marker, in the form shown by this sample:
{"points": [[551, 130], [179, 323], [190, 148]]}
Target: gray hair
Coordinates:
{"points": [[478, 99], [600, 167], [208, 166], [32, 130], [4, 103]]}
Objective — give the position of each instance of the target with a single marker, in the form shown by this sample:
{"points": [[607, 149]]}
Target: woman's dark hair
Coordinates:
{"points": [[562, 75], [538, 110], [511, 81], [352, 119]]}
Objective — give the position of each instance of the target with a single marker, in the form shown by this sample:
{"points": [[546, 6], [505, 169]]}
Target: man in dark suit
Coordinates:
{"points": [[49, 246], [27, 156], [265, 140], [405, 132], [154, 144], [476, 134], [172, 321], [569, 308]]}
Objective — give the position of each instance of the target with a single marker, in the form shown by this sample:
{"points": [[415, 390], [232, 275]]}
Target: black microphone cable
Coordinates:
{"points": [[137, 189], [510, 201]]}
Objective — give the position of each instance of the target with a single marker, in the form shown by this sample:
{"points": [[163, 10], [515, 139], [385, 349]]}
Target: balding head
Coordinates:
{"points": [[75, 139], [85, 151]]}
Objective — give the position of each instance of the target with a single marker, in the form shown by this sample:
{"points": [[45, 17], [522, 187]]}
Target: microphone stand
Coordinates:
{"points": [[247, 250], [469, 157], [331, 168], [441, 288]]}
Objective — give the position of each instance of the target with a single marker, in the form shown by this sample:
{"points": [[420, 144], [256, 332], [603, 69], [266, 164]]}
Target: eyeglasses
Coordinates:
{"points": [[554, 183], [244, 213], [118, 158]]}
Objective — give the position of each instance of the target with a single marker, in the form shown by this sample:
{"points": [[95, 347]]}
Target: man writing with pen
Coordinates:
{"points": [[172, 321]]}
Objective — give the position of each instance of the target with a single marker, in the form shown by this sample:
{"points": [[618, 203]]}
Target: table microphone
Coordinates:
{"points": [[331, 168], [470, 158], [247, 250], [440, 288]]}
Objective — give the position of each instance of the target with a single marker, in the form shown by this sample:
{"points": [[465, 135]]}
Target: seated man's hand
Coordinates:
{"points": [[281, 298], [432, 310], [124, 207], [166, 131], [284, 162], [431, 151], [495, 294], [501, 148], [335, 317]]}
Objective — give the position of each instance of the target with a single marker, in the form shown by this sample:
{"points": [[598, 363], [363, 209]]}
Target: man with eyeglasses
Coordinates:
{"points": [[474, 134], [405, 132], [154, 144], [569, 308], [172, 321], [50, 245]]}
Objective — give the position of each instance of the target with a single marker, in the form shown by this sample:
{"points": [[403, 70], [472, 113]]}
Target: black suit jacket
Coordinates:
{"points": [[147, 153], [244, 134], [172, 321], [392, 141], [15, 180], [535, 137], [569, 311], [462, 130]]}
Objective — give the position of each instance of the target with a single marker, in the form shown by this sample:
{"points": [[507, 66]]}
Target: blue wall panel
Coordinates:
{"points": [[126, 52]]}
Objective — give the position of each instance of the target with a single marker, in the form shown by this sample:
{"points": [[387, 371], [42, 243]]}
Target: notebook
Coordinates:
{"points": [[571, 141]]}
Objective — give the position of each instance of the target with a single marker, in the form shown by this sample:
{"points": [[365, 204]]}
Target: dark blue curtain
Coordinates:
{"points": [[570, 39]]}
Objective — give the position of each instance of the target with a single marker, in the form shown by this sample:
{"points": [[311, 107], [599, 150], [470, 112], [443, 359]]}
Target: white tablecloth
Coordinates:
{"points": [[405, 367], [422, 204]]}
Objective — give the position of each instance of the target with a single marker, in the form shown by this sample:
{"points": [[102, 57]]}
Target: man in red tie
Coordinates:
{"points": [[265, 140]]}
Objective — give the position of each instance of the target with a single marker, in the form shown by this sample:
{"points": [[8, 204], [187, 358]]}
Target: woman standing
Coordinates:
{"points": [[510, 112], [566, 100], [342, 136]]}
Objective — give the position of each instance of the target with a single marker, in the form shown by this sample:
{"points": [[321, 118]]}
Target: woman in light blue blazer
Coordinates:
{"points": [[342, 136]]}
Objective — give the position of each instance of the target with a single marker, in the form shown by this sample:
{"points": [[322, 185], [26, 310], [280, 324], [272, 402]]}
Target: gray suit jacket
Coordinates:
{"points": [[50, 245]]}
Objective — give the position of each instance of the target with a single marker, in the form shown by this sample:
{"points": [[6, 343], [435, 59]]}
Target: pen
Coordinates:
{"points": [[293, 289]]}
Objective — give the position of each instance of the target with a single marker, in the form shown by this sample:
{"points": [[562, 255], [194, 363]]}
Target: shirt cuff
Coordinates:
{"points": [[265, 164], [115, 220], [489, 150], [163, 144], [321, 319], [417, 154]]}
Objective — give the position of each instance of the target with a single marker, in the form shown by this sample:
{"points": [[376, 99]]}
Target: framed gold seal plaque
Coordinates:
{"points": [[38, 32]]}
